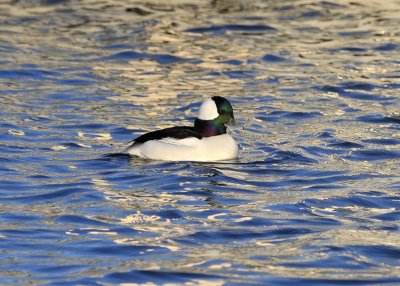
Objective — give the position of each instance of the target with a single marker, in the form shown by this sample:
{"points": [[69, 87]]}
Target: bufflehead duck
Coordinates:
{"points": [[205, 141]]}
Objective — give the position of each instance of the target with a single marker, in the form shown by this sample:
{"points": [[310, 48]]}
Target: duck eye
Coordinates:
{"points": [[223, 108]]}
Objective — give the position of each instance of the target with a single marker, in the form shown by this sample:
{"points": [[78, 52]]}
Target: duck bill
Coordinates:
{"points": [[231, 121]]}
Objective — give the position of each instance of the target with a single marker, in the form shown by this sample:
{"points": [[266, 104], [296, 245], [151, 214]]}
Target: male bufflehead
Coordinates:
{"points": [[205, 141]]}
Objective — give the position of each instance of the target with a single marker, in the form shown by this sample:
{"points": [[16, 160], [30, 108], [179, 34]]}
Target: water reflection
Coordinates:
{"points": [[313, 195]]}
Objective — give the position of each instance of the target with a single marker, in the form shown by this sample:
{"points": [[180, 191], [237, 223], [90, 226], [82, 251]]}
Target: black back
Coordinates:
{"points": [[180, 132]]}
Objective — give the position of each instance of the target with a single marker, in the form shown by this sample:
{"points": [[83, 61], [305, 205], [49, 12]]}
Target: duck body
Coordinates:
{"points": [[215, 148], [206, 141]]}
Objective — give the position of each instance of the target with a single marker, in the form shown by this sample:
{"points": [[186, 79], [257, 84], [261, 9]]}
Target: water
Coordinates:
{"points": [[313, 199]]}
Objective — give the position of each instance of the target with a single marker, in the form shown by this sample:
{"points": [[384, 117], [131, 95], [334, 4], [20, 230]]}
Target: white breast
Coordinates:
{"points": [[215, 148]]}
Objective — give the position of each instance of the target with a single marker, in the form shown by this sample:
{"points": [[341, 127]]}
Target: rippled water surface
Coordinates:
{"points": [[314, 198]]}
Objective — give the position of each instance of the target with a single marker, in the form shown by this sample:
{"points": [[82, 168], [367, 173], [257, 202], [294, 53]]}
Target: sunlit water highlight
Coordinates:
{"points": [[313, 198]]}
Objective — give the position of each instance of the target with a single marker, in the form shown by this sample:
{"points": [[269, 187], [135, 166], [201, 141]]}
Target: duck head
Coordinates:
{"points": [[214, 113]]}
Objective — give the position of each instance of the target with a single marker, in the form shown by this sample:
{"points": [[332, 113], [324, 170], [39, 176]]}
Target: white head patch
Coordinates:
{"points": [[208, 110]]}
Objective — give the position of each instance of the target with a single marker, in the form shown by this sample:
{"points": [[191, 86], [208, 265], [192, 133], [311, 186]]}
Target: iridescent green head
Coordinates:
{"points": [[214, 113], [218, 109]]}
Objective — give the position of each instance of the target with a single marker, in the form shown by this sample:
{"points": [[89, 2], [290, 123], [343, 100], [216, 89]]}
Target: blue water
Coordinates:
{"points": [[314, 198]]}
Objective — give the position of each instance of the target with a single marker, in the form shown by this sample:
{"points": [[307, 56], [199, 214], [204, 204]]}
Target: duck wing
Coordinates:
{"points": [[180, 132]]}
